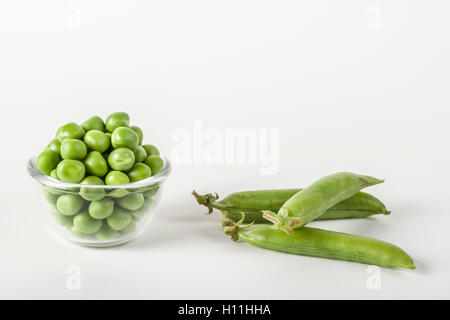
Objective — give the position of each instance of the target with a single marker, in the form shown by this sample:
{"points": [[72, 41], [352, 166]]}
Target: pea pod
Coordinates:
{"points": [[252, 203], [312, 202], [321, 243]]}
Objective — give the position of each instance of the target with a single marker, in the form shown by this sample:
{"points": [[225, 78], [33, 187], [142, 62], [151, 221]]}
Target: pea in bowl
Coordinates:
{"points": [[99, 215]]}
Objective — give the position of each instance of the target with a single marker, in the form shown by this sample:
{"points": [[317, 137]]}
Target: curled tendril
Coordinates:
{"points": [[231, 228]]}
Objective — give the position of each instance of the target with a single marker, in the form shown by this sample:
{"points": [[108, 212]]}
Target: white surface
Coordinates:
{"points": [[346, 92]]}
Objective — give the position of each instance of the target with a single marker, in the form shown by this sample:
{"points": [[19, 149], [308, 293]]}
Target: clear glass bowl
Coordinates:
{"points": [[134, 207]]}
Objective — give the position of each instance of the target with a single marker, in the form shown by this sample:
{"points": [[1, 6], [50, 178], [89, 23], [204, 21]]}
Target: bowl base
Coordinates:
{"points": [[100, 244]]}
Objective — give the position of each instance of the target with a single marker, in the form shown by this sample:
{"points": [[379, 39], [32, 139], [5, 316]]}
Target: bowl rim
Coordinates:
{"points": [[52, 182]]}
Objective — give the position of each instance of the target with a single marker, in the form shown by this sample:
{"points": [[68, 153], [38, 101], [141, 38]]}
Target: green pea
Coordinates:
{"points": [[121, 159], [111, 148], [156, 163], [54, 191], [151, 150], [54, 174], [47, 161], [117, 119], [142, 211], [105, 233], [96, 140], [139, 133], [92, 180], [116, 177], [130, 228], [139, 214], [77, 233], [73, 149], [151, 192], [71, 171], [139, 154], [84, 223], [101, 209], [93, 123], [54, 145], [118, 193], [148, 202], [132, 201], [96, 164], [119, 219], [69, 204], [50, 197], [139, 171], [60, 218], [92, 194], [124, 137], [69, 131]]}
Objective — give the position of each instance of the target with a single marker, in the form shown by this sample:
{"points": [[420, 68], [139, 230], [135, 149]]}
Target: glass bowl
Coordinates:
{"points": [[132, 205]]}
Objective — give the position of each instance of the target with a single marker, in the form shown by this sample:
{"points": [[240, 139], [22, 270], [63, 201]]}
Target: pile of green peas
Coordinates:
{"points": [[97, 153]]}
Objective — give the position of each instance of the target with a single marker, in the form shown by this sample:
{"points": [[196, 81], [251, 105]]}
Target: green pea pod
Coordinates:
{"points": [[322, 243], [252, 203], [310, 203]]}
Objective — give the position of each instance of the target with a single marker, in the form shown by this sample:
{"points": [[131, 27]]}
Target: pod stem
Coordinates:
{"points": [[281, 223], [206, 200], [271, 216]]}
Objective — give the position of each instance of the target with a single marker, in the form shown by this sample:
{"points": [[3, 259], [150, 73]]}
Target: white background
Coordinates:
{"points": [[351, 85]]}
